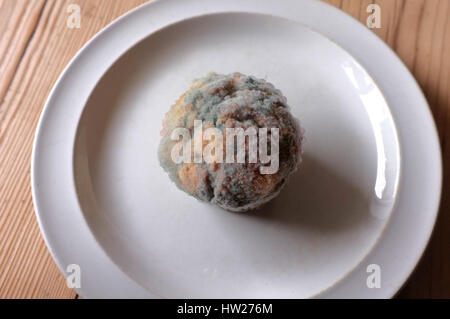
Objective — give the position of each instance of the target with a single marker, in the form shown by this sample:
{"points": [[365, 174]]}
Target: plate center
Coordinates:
{"points": [[321, 226]]}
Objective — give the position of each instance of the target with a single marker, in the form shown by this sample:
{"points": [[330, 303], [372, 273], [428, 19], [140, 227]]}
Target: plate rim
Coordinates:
{"points": [[147, 8]]}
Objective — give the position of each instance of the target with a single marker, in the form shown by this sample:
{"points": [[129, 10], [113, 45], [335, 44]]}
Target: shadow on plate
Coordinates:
{"points": [[316, 197]]}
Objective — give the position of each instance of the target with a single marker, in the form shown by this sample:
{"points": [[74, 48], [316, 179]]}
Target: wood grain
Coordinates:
{"points": [[419, 32], [35, 46]]}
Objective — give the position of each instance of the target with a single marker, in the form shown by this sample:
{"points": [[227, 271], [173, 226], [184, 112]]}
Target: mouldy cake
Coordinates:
{"points": [[231, 101]]}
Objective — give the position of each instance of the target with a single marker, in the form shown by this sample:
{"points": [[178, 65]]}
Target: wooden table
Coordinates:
{"points": [[35, 46]]}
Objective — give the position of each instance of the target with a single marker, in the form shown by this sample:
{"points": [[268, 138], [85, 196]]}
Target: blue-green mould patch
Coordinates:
{"points": [[248, 102]]}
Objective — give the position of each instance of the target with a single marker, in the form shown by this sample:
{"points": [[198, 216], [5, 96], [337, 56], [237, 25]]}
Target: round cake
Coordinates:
{"points": [[231, 140]]}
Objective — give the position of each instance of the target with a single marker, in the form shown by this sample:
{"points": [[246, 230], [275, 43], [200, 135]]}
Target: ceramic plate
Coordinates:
{"points": [[363, 202]]}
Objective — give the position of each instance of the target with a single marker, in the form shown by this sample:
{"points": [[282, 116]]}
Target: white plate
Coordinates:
{"points": [[367, 191]]}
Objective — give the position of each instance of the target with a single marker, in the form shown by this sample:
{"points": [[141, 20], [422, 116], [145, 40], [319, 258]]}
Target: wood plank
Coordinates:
{"points": [[39, 46]]}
